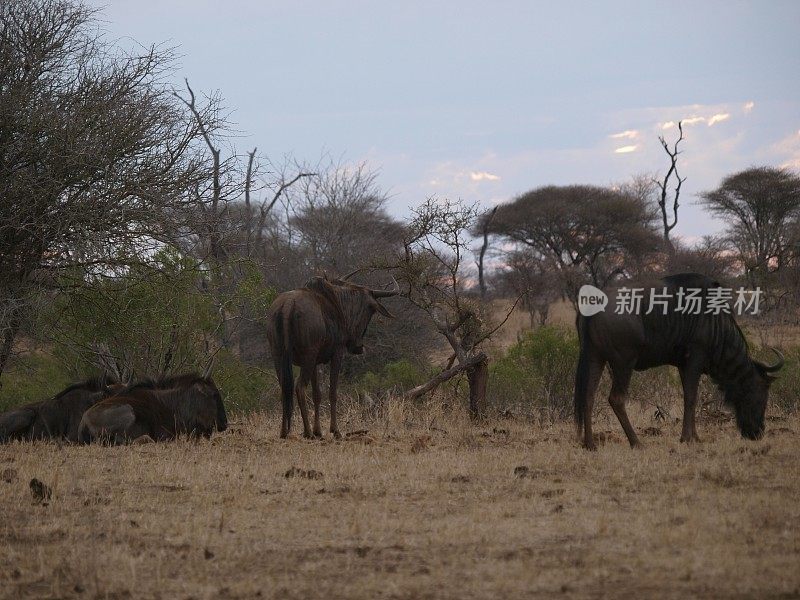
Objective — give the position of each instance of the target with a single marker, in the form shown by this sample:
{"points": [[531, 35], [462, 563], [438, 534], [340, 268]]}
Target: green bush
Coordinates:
{"points": [[785, 391], [244, 388], [397, 376], [31, 378], [537, 373]]}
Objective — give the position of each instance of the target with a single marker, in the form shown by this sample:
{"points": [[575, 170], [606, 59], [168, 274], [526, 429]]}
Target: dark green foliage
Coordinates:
{"points": [[784, 393], [33, 377], [537, 374], [153, 320], [398, 376], [245, 388]]}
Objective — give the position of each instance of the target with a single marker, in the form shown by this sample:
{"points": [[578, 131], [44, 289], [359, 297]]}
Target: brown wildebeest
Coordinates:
{"points": [[314, 325], [57, 417], [704, 343], [183, 404]]}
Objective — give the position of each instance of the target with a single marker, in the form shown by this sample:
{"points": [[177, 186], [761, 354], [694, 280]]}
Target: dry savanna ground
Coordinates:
{"points": [[424, 505]]}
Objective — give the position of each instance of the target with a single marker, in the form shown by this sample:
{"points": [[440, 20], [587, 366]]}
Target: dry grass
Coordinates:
{"points": [[423, 506]]}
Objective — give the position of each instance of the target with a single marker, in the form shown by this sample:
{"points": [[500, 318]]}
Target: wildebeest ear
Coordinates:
{"points": [[382, 309]]}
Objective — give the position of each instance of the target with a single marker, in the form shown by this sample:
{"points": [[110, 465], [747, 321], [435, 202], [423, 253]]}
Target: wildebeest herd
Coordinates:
{"points": [[318, 323], [104, 410]]}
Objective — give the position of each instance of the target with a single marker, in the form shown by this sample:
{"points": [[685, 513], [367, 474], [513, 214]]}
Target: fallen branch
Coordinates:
{"points": [[423, 389]]}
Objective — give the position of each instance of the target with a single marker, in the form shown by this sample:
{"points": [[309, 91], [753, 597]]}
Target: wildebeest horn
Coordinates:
{"points": [[777, 366], [387, 293], [349, 275]]}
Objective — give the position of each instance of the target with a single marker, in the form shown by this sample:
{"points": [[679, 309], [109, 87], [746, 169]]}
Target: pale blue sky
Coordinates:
{"points": [[484, 100]]}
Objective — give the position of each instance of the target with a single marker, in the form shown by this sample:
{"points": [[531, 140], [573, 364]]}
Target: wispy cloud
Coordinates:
{"points": [[483, 176], [694, 120], [787, 150], [628, 134], [718, 118], [626, 149], [748, 106]]}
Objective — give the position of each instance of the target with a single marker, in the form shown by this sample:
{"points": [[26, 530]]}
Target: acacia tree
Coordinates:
{"points": [[93, 150], [432, 267], [583, 231], [760, 206]]}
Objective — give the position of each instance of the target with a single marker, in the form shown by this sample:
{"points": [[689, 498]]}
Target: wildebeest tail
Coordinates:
{"points": [[582, 374], [283, 338]]}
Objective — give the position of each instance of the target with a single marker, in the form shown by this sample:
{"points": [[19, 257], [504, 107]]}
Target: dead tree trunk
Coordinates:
{"points": [[445, 375], [663, 186], [478, 376], [484, 247]]}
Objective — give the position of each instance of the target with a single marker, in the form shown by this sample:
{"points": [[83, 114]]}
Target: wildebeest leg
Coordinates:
{"points": [[300, 392], [286, 379], [620, 380], [595, 372], [690, 380], [336, 364], [317, 402]]}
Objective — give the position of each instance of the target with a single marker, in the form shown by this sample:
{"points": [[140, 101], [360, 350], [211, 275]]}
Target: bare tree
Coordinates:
{"points": [[486, 222], [710, 256], [93, 151], [532, 277], [432, 267], [664, 184]]}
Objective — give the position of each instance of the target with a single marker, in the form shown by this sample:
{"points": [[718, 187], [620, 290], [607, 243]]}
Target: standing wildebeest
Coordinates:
{"points": [[58, 417], [695, 343], [160, 409], [314, 325]]}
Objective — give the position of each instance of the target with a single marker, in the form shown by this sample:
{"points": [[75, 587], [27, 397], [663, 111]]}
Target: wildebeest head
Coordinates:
{"points": [[748, 397], [357, 304]]}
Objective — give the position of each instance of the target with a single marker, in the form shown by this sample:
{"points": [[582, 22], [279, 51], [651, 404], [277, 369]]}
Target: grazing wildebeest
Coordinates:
{"points": [[697, 344], [182, 404], [57, 417], [314, 325]]}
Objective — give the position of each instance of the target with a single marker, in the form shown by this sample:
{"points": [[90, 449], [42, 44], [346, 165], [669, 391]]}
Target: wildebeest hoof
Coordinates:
{"points": [[336, 434], [591, 446]]}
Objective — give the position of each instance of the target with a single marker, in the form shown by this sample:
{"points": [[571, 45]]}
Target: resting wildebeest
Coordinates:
{"points": [[697, 344], [57, 417], [314, 325], [182, 404]]}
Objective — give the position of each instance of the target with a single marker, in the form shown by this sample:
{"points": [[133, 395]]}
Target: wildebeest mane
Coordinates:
{"points": [[332, 304], [93, 384], [343, 301], [163, 383]]}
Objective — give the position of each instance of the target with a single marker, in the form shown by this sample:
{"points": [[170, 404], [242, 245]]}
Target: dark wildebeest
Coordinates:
{"points": [[57, 417], [314, 325], [182, 404], [695, 343]]}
